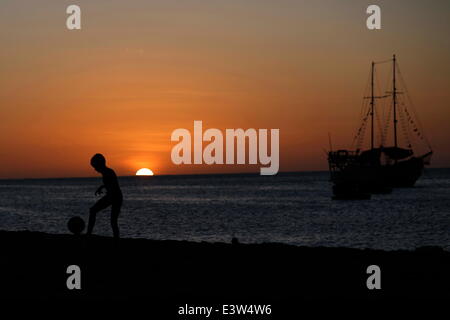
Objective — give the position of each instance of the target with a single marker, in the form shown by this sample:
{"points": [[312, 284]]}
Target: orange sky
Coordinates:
{"points": [[140, 69]]}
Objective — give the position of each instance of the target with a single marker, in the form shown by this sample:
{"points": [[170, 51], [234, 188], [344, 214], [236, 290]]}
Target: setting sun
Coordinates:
{"points": [[144, 172]]}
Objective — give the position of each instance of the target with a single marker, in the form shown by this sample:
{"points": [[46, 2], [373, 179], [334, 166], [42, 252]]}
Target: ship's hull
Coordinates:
{"points": [[405, 173], [355, 181], [358, 182]]}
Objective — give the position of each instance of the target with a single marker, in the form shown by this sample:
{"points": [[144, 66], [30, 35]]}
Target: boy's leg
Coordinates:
{"points": [[98, 206], [115, 211]]}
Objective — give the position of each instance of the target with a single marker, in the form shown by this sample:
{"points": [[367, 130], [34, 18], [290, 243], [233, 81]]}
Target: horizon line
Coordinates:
{"points": [[166, 175], [185, 174]]}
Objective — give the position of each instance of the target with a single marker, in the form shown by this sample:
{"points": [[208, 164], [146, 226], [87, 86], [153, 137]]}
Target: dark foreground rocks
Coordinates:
{"points": [[33, 266]]}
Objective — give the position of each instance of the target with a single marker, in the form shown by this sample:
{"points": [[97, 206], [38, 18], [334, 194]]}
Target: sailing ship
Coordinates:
{"points": [[358, 173]]}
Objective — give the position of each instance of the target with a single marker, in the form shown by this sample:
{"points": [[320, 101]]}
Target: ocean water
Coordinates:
{"points": [[293, 208]]}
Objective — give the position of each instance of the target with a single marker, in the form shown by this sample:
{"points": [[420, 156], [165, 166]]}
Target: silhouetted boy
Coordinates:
{"points": [[112, 198]]}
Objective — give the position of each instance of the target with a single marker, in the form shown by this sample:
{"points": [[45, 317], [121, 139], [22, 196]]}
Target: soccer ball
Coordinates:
{"points": [[76, 225]]}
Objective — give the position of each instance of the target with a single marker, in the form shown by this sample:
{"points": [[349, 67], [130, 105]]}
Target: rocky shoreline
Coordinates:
{"points": [[34, 267]]}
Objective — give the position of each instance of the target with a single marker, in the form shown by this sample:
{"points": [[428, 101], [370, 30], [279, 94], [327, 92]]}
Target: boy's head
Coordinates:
{"points": [[98, 161]]}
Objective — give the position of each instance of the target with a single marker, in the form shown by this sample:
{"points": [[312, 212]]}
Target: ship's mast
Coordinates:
{"points": [[372, 103], [394, 100]]}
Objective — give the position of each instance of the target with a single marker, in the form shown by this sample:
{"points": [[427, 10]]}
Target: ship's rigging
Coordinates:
{"points": [[386, 107], [392, 157]]}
